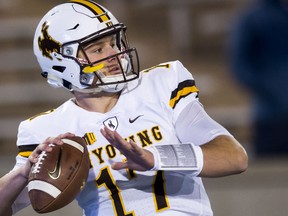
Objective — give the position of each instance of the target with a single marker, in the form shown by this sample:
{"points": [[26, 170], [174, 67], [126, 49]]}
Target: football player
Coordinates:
{"points": [[149, 138]]}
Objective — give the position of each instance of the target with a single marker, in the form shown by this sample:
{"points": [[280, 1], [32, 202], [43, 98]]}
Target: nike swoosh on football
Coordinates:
{"points": [[57, 170], [133, 120]]}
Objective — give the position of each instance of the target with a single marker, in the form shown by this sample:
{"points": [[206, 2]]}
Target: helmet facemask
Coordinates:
{"points": [[95, 74]]}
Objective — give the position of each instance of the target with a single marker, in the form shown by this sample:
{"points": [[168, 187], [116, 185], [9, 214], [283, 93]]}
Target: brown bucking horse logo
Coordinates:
{"points": [[47, 44]]}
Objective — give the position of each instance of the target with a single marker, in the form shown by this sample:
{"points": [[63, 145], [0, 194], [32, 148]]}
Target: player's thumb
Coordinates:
{"points": [[119, 165]]}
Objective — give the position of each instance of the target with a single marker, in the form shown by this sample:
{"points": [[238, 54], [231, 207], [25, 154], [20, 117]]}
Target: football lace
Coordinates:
{"points": [[37, 166]]}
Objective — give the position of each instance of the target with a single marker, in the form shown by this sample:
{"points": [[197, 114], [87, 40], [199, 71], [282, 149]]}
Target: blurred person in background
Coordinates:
{"points": [[259, 62]]}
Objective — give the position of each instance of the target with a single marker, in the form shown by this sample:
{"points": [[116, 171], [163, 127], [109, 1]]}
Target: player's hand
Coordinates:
{"points": [[137, 158], [44, 146]]}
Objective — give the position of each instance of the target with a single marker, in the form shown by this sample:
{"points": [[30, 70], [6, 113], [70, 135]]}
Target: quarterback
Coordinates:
{"points": [[149, 138]]}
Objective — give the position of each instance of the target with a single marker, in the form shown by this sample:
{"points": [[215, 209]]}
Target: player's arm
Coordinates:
{"points": [[220, 157], [210, 150], [223, 156], [12, 184]]}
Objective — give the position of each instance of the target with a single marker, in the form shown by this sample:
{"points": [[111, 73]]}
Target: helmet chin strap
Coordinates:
{"points": [[108, 88], [86, 91], [114, 87]]}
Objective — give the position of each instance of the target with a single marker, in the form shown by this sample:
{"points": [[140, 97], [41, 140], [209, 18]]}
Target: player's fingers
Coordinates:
{"points": [[128, 165], [58, 140], [106, 133], [45, 146], [66, 135], [34, 155], [53, 140], [113, 137], [120, 142], [119, 165], [129, 149]]}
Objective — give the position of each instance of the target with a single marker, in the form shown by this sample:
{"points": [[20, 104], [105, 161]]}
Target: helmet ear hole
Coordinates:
{"points": [[59, 68]]}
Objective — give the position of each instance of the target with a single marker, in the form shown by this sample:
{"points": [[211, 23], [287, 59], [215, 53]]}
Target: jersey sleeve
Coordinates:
{"points": [[26, 143], [190, 119], [182, 90], [195, 125]]}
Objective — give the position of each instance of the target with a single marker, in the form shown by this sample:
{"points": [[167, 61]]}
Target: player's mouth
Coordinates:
{"points": [[114, 69]]}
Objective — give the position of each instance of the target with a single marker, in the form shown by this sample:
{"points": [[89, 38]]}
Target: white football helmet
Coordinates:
{"points": [[61, 35]]}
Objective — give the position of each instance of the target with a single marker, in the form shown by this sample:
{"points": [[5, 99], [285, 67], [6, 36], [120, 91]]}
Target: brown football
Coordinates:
{"points": [[59, 175]]}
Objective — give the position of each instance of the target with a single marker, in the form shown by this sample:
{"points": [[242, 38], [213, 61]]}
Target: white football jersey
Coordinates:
{"points": [[147, 112]]}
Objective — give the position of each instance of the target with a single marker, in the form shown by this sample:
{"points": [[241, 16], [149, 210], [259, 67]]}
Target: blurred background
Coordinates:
{"points": [[196, 32]]}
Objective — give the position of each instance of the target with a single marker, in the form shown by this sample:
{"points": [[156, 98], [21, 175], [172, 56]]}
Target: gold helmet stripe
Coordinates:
{"points": [[103, 17]]}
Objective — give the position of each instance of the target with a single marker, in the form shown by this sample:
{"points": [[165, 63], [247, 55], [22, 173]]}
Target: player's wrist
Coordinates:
{"points": [[24, 172], [156, 157], [177, 157], [199, 158]]}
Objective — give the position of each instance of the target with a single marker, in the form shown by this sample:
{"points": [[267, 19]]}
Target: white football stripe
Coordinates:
{"points": [[74, 144], [45, 187]]}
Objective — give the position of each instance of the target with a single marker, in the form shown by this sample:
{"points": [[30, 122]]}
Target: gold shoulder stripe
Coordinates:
{"points": [[43, 113], [184, 89], [157, 66], [26, 150], [25, 154], [96, 9]]}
